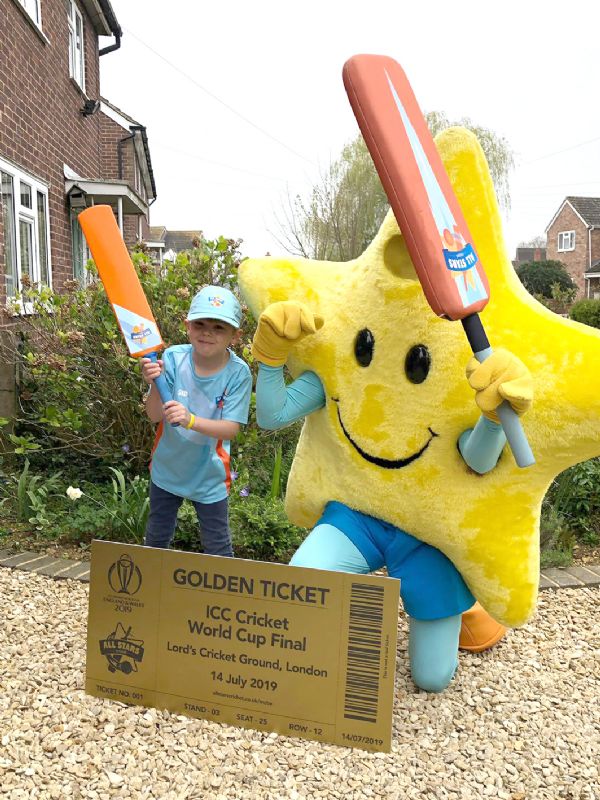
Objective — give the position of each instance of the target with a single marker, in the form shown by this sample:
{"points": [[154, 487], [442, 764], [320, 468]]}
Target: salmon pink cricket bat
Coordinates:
{"points": [[425, 207]]}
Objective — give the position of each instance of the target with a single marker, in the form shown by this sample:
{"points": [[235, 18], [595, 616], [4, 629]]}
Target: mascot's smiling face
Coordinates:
{"points": [[397, 398], [385, 368]]}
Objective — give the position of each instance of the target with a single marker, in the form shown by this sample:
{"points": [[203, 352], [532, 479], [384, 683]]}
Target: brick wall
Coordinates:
{"points": [[576, 261], [41, 127], [110, 136], [117, 155]]}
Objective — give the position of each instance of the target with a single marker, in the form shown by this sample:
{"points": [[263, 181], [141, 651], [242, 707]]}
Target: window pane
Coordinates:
{"points": [[25, 195], [10, 250], [77, 243], [43, 237], [79, 50], [71, 56], [26, 242], [33, 9]]}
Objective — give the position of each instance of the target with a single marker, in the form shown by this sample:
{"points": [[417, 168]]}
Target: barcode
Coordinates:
{"points": [[364, 652]]}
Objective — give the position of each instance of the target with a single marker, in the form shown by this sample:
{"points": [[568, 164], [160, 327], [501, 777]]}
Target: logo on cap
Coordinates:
{"points": [[216, 301]]}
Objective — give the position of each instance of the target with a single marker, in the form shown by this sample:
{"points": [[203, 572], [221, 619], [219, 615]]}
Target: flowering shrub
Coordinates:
{"points": [[80, 395]]}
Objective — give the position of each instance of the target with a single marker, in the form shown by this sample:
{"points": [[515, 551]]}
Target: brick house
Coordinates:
{"points": [[574, 238], [62, 146], [525, 255]]}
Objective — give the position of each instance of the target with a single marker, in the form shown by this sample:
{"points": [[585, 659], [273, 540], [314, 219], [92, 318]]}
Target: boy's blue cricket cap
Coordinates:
{"points": [[214, 302]]}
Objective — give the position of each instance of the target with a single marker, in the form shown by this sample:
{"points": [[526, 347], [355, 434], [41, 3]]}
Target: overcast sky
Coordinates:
{"points": [[244, 102]]}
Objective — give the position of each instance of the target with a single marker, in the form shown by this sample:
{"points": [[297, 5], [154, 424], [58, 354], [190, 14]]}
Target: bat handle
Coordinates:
{"points": [[161, 384], [511, 424]]}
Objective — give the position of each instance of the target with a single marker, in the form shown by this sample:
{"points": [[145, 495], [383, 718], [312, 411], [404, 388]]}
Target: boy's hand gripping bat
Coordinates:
{"points": [[425, 207]]}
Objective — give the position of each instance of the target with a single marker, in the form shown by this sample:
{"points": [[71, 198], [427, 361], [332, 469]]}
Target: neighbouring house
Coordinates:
{"points": [[574, 238], [162, 243], [155, 243], [525, 255], [62, 147]]}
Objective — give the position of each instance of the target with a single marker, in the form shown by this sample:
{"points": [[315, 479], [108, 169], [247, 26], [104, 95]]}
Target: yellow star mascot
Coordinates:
{"points": [[396, 465]]}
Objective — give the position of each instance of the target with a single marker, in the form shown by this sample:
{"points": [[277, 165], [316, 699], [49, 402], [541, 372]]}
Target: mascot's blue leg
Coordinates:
{"points": [[433, 651], [433, 644], [326, 547]]}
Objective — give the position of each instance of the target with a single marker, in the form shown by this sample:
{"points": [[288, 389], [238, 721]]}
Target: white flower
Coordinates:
{"points": [[73, 493]]}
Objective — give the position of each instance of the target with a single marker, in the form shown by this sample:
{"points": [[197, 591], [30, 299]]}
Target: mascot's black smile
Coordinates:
{"points": [[386, 463]]}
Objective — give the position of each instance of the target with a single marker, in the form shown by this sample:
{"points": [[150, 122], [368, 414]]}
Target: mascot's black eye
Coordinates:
{"points": [[417, 363], [364, 346]]}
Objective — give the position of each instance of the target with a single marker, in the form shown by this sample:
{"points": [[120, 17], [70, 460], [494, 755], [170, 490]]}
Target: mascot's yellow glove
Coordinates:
{"points": [[280, 326], [500, 377]]}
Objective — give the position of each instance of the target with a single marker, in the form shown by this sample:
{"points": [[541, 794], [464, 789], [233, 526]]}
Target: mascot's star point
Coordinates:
{"points": [[386, 441]]}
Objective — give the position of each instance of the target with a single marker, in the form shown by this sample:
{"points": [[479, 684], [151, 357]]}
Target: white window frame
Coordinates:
{"points": [[29, 217], [33, 9], [76, 57], [80, 250], [566, 241]]}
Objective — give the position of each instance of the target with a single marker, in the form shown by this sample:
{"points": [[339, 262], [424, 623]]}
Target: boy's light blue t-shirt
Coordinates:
{"points": [[187, 463]]}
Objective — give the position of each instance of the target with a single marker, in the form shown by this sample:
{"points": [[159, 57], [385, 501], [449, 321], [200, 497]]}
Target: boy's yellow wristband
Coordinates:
{"points": [[191, 422]]}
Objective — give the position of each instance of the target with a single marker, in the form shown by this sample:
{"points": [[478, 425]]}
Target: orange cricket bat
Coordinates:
{"points": [[123, 287]]}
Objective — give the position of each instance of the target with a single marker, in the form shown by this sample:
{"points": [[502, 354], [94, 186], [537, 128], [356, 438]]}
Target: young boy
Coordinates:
{"points": [[211, 390]]}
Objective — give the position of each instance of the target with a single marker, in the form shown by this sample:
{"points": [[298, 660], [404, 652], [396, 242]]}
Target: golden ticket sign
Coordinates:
{"points": [[302, 652]]}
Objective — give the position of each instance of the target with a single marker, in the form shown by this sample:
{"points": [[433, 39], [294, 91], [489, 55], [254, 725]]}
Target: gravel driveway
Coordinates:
{"points": [[521, 722]]}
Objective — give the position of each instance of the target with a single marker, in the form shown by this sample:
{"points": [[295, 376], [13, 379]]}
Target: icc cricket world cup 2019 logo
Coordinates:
{"points": [[124, 576], [122, 652]]}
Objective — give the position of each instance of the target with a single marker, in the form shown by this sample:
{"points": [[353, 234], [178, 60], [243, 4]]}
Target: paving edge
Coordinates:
{"points": [[575, 577], [43, 564]]}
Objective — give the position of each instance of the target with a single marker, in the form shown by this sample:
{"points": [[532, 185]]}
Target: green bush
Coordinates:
{"points": [[259, 526], [538, 277], [261, 529], [556, 540], [115, 508], [587, 312], [575, 496]]}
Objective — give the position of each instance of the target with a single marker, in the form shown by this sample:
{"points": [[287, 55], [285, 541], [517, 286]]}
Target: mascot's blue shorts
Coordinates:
{"points": [[430, 585]]}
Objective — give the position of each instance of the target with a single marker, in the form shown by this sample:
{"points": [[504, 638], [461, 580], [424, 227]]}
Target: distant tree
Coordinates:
{"points": [[344, 210], [498, 153], [539, 277]]}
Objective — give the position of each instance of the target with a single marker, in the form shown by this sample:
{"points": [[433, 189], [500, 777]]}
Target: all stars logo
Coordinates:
{"points": [[123, 653]]}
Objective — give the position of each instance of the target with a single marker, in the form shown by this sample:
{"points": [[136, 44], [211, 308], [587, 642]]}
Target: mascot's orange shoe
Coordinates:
{"points": [[479, 631]]}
